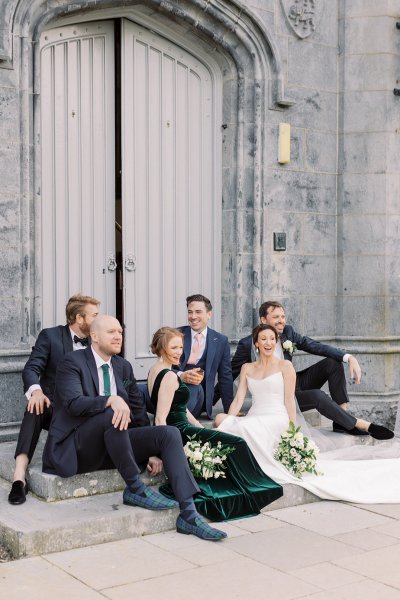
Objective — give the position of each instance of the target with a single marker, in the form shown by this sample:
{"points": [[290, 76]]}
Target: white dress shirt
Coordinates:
{"points": [[99, 363]]}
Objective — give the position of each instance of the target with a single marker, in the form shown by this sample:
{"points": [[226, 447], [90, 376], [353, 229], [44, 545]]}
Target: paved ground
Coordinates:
{"points": [[319, 551]]}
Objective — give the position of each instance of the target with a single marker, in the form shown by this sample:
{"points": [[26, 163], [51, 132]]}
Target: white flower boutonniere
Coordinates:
{"points": [[289, 347]]}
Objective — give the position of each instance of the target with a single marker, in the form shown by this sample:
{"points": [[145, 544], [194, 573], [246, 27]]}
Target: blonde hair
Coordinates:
{"points": [[75, 306]]}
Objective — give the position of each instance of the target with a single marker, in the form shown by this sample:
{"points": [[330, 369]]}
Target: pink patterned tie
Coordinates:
{"points": [[196, 350]]}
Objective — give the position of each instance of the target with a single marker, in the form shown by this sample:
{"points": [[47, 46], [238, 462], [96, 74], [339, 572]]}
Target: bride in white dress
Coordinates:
{"points": [[361, 474]]}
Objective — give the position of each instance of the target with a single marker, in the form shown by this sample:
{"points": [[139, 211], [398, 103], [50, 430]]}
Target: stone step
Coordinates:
{"points": [[52, 487], [39, 527]]}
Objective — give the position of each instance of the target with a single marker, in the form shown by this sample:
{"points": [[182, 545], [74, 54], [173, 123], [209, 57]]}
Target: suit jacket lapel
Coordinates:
{"points": [[92, 366], [118, 374], [67, 339], [211, 345], [187, 346]]}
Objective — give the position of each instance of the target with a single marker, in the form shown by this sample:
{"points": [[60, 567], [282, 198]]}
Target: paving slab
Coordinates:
{"points": [[331, 518], [381, 565], [326, 575], [239, 578], [368, 539], [363, 590]]}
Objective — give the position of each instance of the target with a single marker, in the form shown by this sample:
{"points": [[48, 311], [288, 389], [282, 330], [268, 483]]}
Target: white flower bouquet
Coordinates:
{"points": [[297, 452], [206, 461]]}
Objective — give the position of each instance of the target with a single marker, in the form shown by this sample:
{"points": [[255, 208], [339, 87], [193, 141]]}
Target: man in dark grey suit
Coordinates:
{"points": [[39, 376], [310, 380], [99, 422]]}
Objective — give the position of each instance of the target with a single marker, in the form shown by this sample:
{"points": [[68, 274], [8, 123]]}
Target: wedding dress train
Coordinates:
{"points": [[361, 474]]}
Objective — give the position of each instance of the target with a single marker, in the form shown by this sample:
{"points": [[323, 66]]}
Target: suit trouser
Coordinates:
{"points": [[310, 396], [29, 433], [100, 445]]}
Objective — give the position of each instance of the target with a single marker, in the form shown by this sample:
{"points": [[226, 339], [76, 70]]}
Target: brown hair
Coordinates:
{"points": [[262, 327], [161, 338], [199, 298], [265, 306], [75, 306]]}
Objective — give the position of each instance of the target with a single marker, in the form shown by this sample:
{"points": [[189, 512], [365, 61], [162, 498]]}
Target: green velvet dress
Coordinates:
{"points": [[246, 488]]}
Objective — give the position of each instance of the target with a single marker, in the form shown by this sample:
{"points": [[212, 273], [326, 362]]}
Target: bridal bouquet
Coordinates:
{"points": [[297, 452], [206, 461]]}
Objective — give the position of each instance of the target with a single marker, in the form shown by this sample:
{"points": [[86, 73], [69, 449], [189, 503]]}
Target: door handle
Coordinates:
{"points": [[111, 262], [130, 262]]}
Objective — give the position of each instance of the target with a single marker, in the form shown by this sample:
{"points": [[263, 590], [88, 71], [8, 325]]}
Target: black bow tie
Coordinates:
{"points": [[83, 341]]}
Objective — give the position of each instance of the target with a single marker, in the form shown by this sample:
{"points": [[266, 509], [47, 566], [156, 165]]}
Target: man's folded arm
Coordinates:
{"points": [[69, 391]]}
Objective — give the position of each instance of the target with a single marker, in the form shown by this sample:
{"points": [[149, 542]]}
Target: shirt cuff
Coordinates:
{"points": [[30, 391], [179, 373], [346, 358]]}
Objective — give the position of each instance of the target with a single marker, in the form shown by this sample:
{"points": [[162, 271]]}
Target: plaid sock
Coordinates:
{"points": [[188, 510], [136, 486]]}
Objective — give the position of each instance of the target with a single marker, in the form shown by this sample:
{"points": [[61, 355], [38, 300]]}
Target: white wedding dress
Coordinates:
{"points": [[361, 474]]}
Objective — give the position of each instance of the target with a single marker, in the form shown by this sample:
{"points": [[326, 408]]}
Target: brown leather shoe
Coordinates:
{"points": [[18, 492]]}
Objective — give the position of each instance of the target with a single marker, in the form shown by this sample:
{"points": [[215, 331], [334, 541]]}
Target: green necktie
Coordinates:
{"points": [[106, 379]]}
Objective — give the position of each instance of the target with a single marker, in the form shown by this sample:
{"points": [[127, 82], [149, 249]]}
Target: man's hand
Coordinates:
{"points": [[192, 377], [355, 369], [37, 402], [154, 465], [122, 413]]}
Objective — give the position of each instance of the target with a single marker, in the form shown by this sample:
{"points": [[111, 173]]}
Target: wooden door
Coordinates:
{"points": [[77, 141], [170, 198]]}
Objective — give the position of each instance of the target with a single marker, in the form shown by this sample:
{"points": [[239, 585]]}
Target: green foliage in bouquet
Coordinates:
{"points": [[297, 452]]}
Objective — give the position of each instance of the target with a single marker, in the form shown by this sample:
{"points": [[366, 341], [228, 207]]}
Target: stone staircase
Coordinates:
{"points": [[61, 514]]}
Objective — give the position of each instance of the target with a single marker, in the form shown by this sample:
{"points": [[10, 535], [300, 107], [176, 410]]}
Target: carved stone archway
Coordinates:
{"points": [[233, 38]]}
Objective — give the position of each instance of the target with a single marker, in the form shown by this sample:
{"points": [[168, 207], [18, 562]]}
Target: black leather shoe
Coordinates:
{"points": [[18, 493], [379, 432], [340, 429]]}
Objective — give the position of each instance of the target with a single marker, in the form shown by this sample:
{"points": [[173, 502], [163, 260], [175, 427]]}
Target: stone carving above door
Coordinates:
{"points": [[302, 15]]}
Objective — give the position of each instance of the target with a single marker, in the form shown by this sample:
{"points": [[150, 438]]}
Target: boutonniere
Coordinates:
{"points": [[289, 347], [127, 383]]}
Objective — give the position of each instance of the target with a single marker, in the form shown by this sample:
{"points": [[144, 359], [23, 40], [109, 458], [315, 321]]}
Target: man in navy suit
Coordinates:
{"points": [[310, 380], [100, 421], [39, 376], [206, 349]]}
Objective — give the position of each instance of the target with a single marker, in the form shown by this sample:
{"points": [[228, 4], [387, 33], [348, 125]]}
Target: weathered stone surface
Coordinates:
{"points": [[364, 234], [368, 72], [305, 69]]}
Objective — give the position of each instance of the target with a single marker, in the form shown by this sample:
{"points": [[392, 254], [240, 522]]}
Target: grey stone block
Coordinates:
{"points": [[369, 111], [365, 193], [10, 168], [297, 149], [321, 152], [319, 234], [319, 316], [364, 234], [287, 222], [9, 114], [392, 321], [371, 36], [368, 72], [357, 275], [367, 8], [362, 315], [363, 153], [313, 109], [295, 275], [299, 192], [312, 65]]}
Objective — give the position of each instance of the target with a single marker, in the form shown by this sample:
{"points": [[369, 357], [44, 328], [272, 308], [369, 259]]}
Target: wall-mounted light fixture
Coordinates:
{"points": [[284, 143]]}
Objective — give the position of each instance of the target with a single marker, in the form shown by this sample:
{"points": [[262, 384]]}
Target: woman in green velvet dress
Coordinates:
{"points": [[246, 489]]}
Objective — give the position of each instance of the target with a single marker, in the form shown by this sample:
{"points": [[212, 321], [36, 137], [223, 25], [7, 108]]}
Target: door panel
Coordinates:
{"points": [[78, 197], [171, 213]]}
